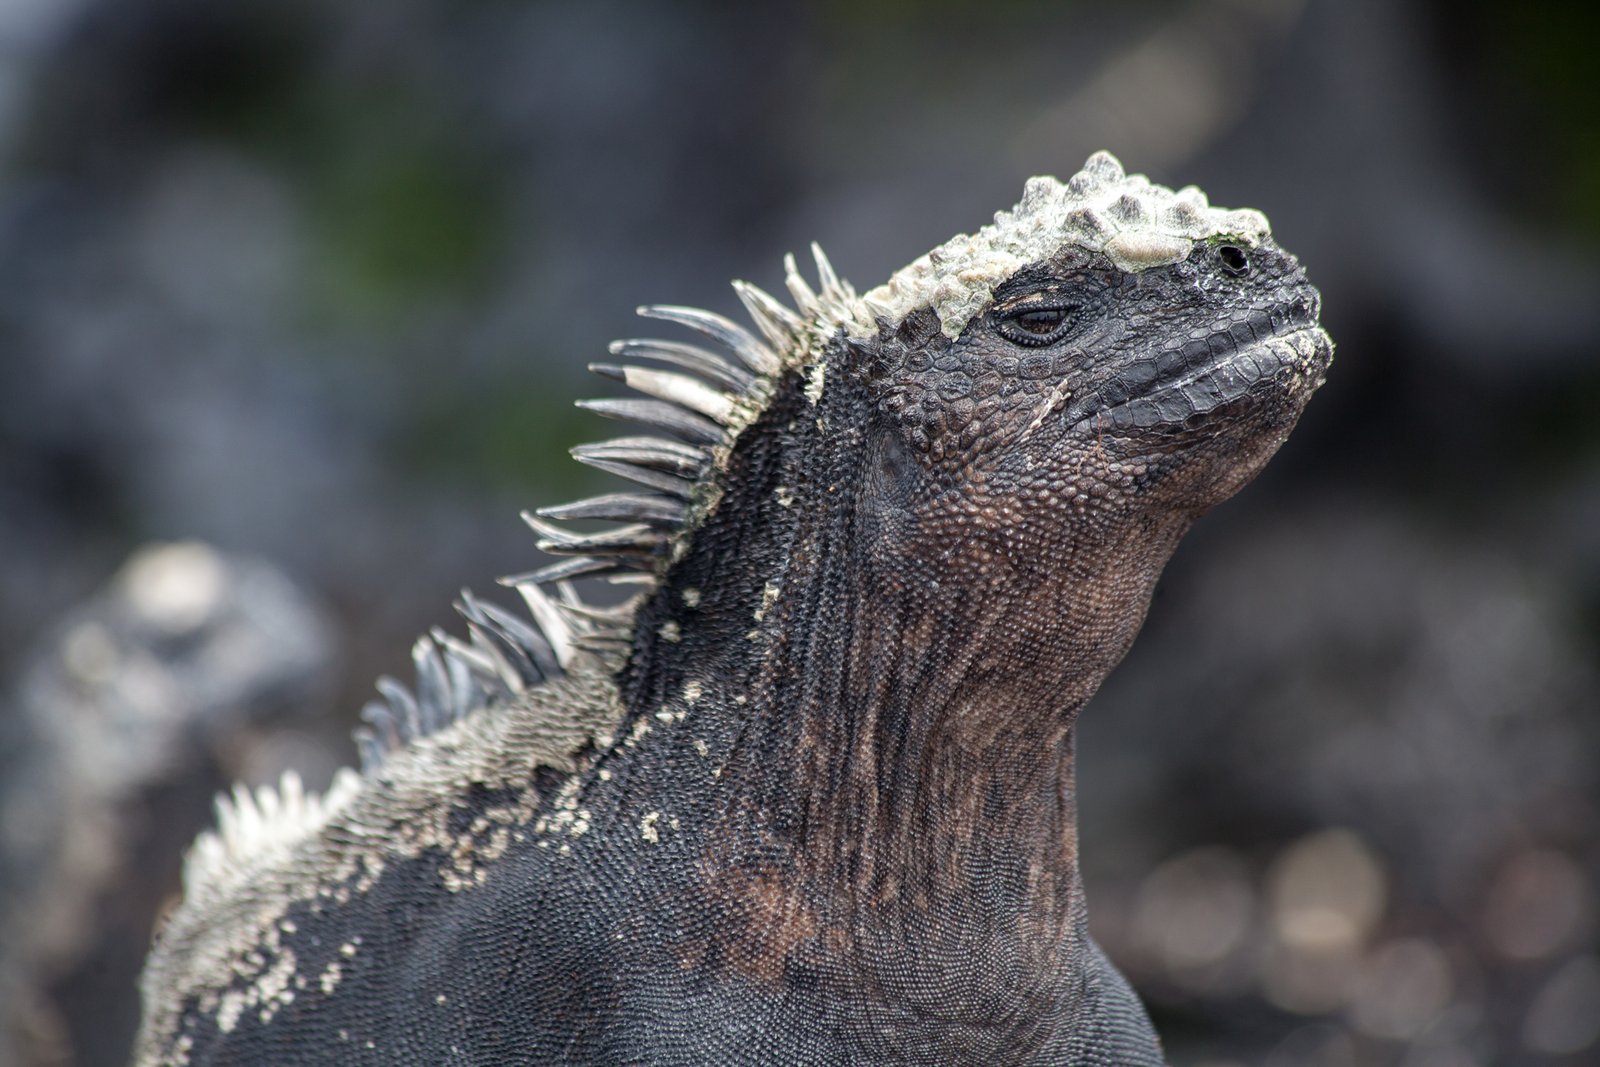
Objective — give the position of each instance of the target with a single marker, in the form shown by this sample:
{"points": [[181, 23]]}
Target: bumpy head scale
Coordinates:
{"points": [[1136, 223]]}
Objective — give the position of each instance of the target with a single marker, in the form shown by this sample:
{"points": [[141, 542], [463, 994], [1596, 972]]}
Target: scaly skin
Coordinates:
{"points": [[835, 821]]}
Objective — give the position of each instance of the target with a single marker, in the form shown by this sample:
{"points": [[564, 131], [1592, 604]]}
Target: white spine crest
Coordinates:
{"points": [[505, 655], [259, 827]]}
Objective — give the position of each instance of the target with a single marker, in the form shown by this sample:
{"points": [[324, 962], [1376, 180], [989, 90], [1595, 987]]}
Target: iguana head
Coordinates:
{"points": [[1107, 351], [955, 491], [1009, 436], [1024, 420]]}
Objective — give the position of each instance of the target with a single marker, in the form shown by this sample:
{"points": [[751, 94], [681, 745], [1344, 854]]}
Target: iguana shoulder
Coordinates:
{"points": [[278, 849], [486, 749]]}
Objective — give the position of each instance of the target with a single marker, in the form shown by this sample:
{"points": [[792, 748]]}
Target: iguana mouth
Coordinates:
{"points": [[1189, 381]]}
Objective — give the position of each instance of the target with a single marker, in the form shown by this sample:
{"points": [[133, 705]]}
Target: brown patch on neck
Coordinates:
{"points": [[765, 922]]}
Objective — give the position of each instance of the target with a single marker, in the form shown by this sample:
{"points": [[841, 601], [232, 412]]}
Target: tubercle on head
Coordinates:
{"points": [[1136, 223]]}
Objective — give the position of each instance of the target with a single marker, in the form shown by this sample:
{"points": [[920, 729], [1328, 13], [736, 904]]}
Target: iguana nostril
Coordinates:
{"points": [[1234, 260]]}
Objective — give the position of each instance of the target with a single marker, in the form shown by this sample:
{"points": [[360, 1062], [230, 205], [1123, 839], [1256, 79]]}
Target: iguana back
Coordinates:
{"points": [[807, 797]]}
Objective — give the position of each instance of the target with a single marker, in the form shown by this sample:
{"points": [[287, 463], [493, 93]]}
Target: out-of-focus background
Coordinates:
{"points": [[295, 296]]}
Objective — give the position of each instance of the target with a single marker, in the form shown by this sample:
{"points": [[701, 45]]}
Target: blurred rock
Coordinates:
{"points": [[1565, 1017], [1434, 701], [1403, 988], [1539, 904], [1327, 892], [1403, 775], [139, 707]]}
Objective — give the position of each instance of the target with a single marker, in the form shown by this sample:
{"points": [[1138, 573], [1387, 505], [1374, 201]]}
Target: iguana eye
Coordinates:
{"points": [[1234, 260], [1036, 325]]}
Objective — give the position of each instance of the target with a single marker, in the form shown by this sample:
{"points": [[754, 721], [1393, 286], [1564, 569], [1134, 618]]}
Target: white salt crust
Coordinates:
{"points": [[1135, 222]]}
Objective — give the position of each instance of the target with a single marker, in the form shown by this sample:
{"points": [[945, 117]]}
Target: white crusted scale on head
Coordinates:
{"points": [[1136, 223]]}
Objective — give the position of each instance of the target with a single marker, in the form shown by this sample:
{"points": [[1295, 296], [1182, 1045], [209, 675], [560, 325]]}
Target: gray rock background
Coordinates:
{"points": [[314, 282]]}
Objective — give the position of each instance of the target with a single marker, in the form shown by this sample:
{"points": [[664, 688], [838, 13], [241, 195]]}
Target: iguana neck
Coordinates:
{"points": [[891, 736], [911, 748]]}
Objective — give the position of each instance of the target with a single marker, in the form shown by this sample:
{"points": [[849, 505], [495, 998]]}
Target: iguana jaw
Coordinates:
{"points": [[1254, 364]]}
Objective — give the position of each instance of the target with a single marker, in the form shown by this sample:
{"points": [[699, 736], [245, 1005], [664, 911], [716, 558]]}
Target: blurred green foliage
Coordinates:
{"points": [[401, 209], [404, 204], [512, 439]]}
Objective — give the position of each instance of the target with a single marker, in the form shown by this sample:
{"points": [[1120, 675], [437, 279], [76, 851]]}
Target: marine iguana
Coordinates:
{"points": [[808, 797]]}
